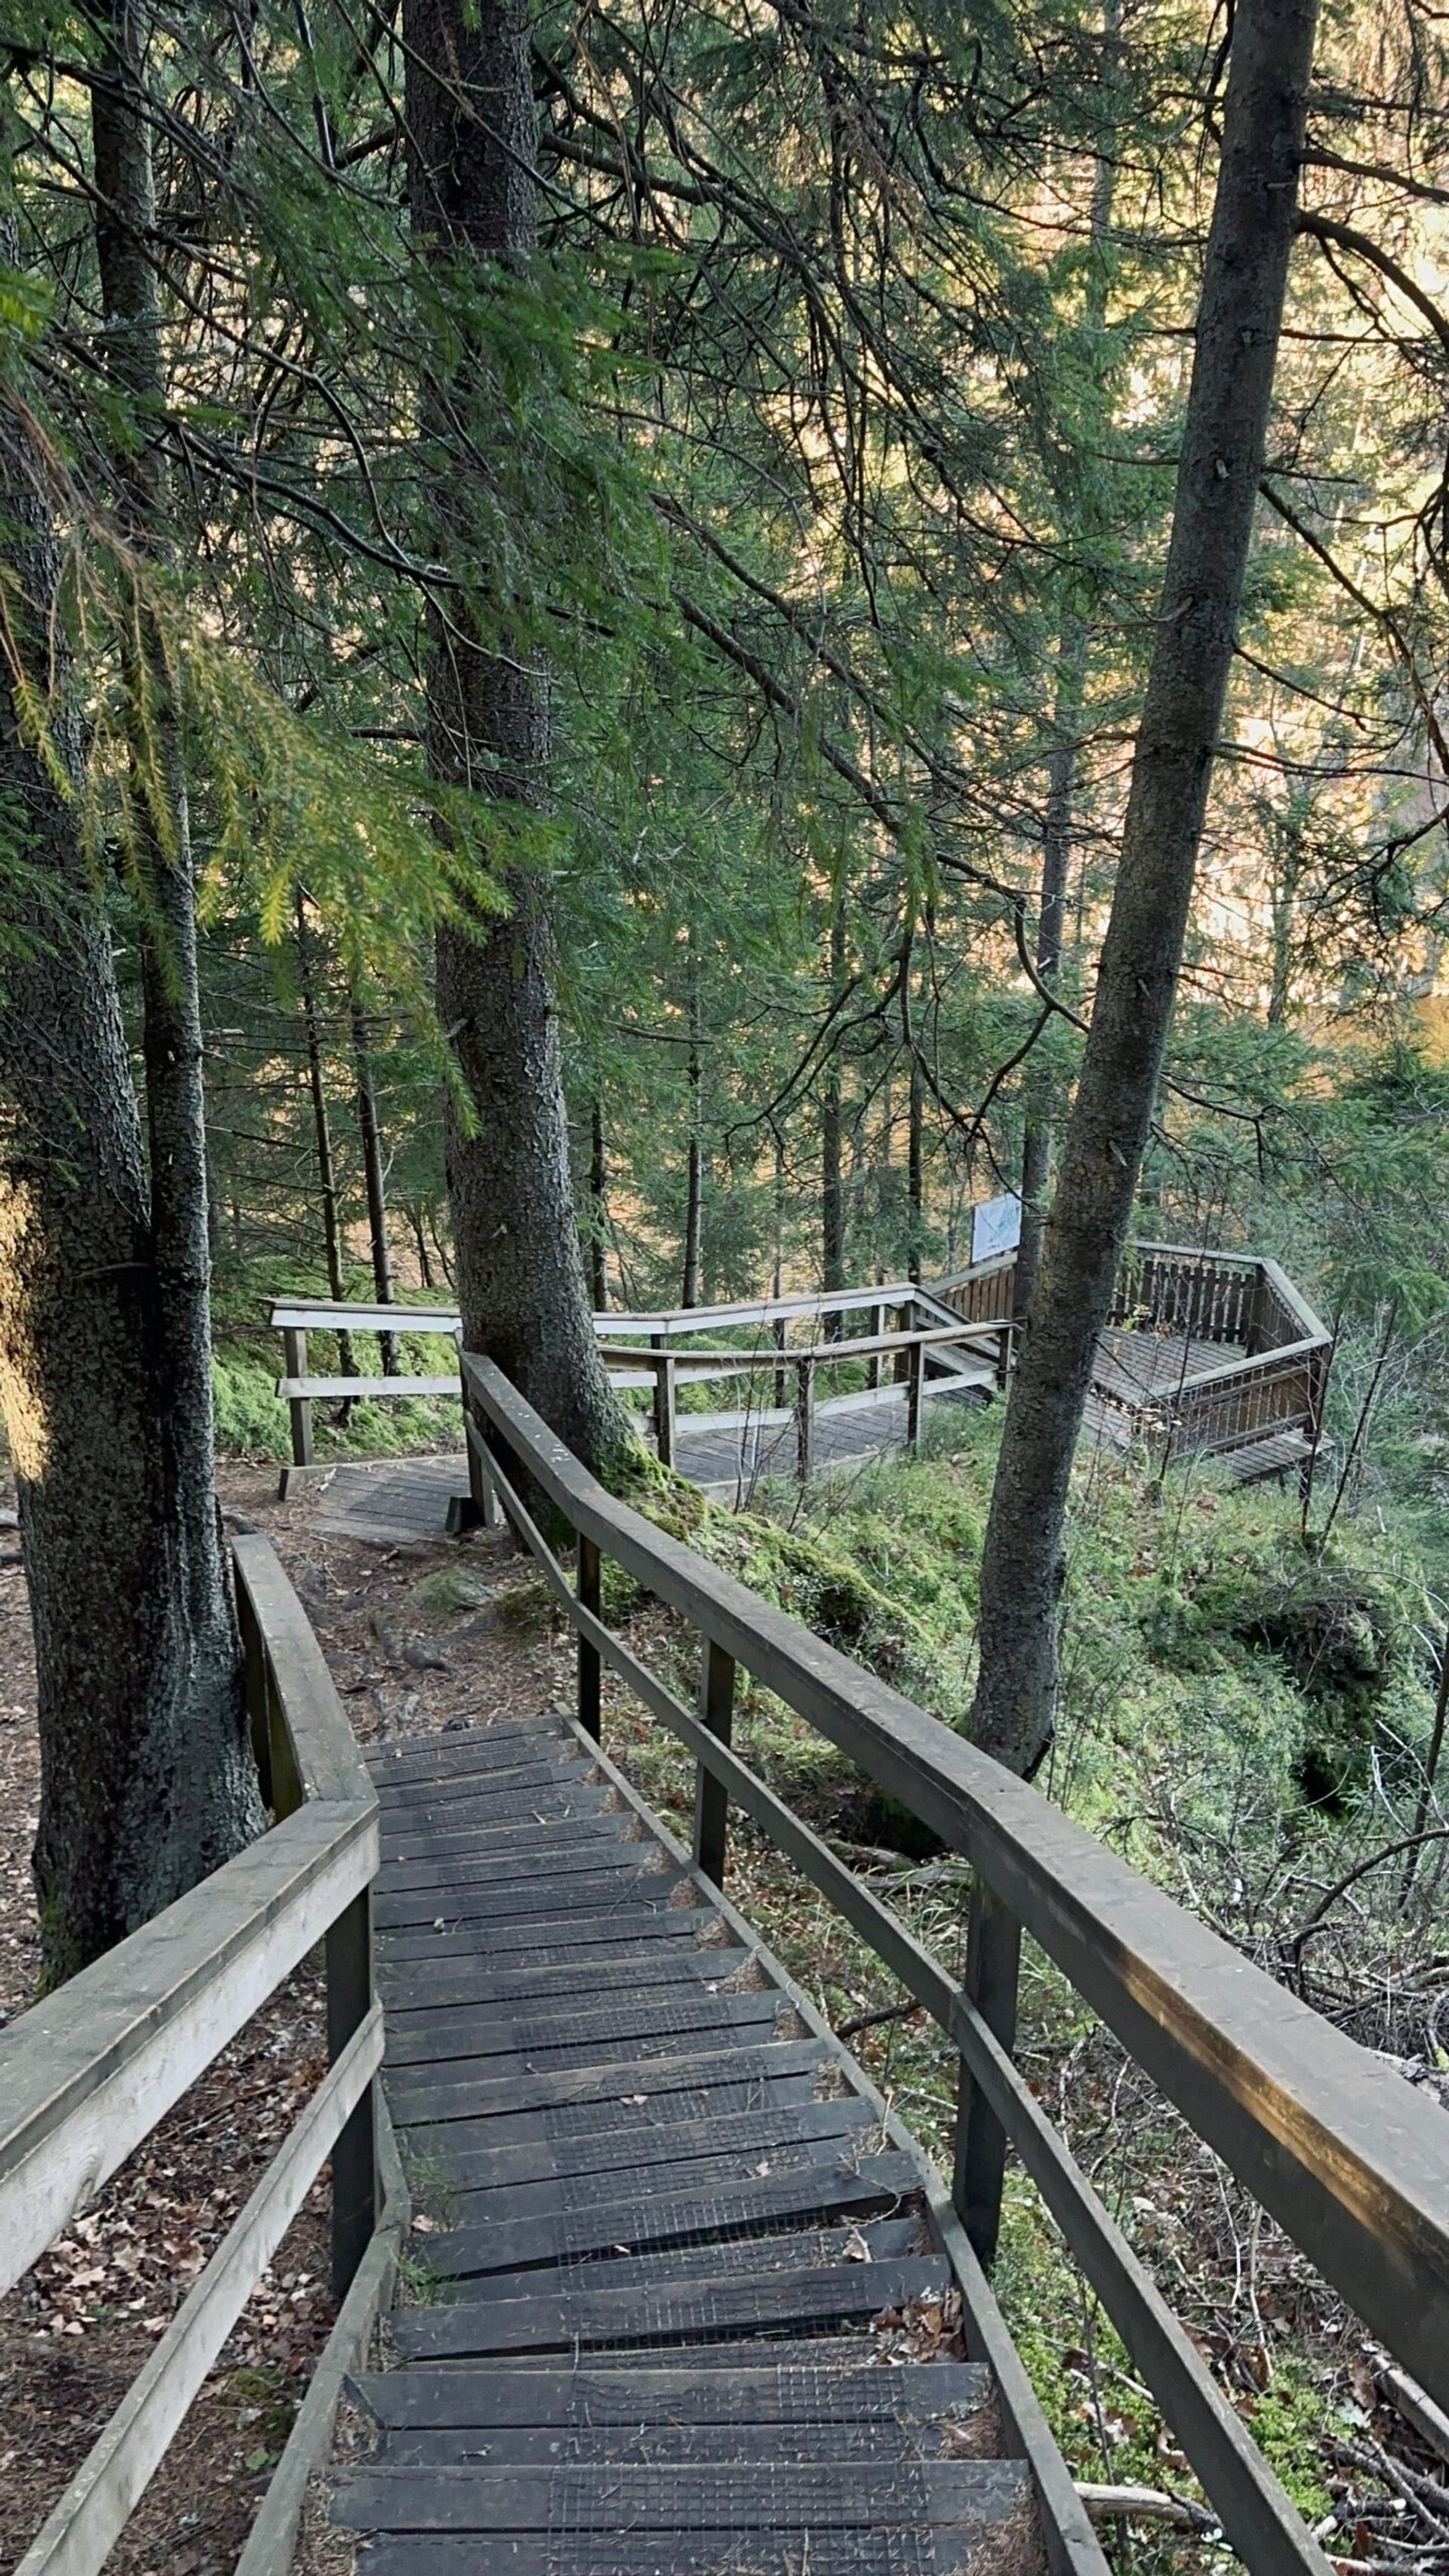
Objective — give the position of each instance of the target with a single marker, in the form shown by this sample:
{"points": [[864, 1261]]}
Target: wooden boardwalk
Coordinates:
{"points": [[684, 2241]]}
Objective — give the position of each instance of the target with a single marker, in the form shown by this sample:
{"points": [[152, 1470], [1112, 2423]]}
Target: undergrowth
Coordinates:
{"points": [[1243, 1715]]}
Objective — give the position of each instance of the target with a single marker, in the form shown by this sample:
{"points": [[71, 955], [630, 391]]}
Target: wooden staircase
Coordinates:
{"points": [[688, 2313]]}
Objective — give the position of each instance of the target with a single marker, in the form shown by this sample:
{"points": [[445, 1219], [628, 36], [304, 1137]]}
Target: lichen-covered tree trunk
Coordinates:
{"points": [[1239, 319], [147, 1780], [473, 143]]}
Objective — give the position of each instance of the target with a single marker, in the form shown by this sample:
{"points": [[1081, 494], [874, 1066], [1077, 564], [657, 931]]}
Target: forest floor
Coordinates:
{"points": [[76, 2330]]}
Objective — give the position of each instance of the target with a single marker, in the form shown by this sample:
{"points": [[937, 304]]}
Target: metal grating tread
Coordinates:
{"points": [[786, 2393]]}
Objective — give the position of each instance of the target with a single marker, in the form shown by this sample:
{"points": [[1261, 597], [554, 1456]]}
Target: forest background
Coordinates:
{"points": [[807, 444]]}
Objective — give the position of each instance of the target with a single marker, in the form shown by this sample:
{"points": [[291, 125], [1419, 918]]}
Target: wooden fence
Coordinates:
{"points": [[1273, 1386], [1349, 2159], [786, 1346], [88, 2073], [1271, 1390]]}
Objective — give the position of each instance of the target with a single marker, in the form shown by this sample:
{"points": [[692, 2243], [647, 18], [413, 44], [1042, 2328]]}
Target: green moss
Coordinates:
{"points": [[1286, 2422]]}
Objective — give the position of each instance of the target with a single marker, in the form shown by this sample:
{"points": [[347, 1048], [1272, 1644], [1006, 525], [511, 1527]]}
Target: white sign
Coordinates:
{"points": [[995, 1227]]}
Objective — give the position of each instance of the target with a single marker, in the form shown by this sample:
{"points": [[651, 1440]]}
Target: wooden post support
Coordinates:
{"points": [[1004, 1342], [804, 1404], [478, 1508], [993, 1967], [591, 1598], [354, 2157], [294, 1347], [711, 1798], [875, 1326], [664, 1372], [915, 1394], [256, 1690], [782, 1336]]}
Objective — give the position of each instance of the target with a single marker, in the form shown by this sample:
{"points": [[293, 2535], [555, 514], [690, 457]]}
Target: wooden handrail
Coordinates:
{"points": [[1256, 1286], [86, 2074], [1350, 2160], [726, 1363]]}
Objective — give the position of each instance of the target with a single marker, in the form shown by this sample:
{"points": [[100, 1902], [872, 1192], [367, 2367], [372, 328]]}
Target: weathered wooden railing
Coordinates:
{"points": [[1350, 2160], [662, 1351], [894, 1363], [88, 2073], [1275, 1384]]}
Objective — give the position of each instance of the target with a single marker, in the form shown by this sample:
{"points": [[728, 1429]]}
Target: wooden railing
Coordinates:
{"points": [[1276, 1384], [796, 1342], [895, 1363], [1350, 2160], [88, 2073]]}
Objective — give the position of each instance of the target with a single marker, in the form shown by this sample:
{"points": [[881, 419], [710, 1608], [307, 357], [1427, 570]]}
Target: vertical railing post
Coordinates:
{"points": [[876, 1327], [294, 1348], [782, 1335], [354, 2157], [915, 1394], [486, 1512], [804, 1403], [590, 1588], [664, 1370], [711, 1797], [1004, 1340], [256, 1690], [993, 1967]]}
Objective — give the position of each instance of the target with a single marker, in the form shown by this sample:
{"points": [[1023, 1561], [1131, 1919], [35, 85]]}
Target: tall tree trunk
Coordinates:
{"points": [[694, 1175], [473, 190], [147, 1781], [1239, 319], [832, 1138], [916, 1170], [375, 1176], [1038, 1141], [322, 1130], [420, 1245], [598, 1209]]}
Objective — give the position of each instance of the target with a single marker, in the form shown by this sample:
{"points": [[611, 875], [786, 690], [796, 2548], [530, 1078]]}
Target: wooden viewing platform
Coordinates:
{"points": [[1205, 1354]]}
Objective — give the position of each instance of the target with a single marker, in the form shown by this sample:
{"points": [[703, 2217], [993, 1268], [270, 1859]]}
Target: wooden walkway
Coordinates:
{"points": [[398, 1502], [689, 2320]]}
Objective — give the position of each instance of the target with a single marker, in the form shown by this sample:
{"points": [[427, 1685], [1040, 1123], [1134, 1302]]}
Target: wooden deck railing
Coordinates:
{"points": [[88, 2073], [1350, 2160], [1275, 1384], [795, 1344]]}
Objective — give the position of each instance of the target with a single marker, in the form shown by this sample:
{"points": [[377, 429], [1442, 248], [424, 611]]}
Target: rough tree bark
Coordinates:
{"points": [[1239, 318], [472, 145], [916, 1170], [832, 1140], [694, 1175], [147, 1781], [598, 1209], [1038, 1139]]}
